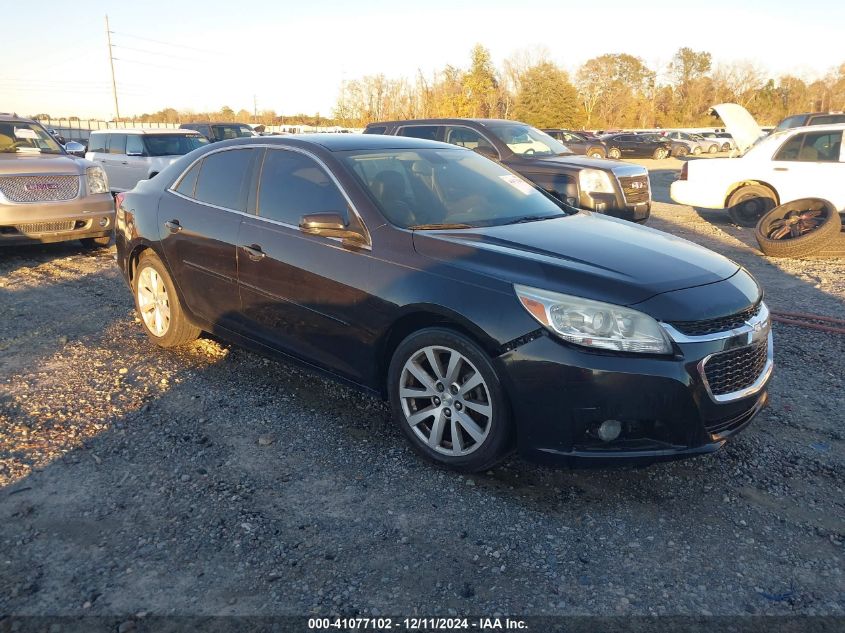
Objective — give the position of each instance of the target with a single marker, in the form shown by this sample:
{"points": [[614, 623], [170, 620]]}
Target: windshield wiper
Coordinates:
{"points": [[534, 218], [431, 227]]}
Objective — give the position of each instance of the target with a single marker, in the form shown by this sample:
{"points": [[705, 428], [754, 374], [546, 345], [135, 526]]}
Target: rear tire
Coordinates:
{"points": [[726, 147], [749, 203], [614, 153], [681, 152], [469, 425], [96, 242], [713, 149], [594, 153], [659, 154], [158, 304], [798, 228], [696, 150]]}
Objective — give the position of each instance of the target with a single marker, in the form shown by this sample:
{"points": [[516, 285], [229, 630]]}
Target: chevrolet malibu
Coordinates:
{"points": [[490, 314]]}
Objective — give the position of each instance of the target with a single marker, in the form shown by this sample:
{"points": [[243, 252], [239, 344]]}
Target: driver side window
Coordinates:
{"points": [[465, 137]]}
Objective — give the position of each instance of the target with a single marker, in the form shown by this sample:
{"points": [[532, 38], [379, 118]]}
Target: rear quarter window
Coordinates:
{"points": [[376, 129], [97, 143]]}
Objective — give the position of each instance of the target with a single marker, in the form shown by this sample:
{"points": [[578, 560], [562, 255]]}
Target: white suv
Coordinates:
{"points": [[129, 156]]}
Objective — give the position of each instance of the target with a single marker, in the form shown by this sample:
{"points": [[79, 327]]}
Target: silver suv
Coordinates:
{"points": [[129, 156], [46, 195]]}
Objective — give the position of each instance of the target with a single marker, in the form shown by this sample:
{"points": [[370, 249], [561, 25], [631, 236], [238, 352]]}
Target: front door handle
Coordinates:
{"points": [[254, 252], [781, 168], [173, 226]]}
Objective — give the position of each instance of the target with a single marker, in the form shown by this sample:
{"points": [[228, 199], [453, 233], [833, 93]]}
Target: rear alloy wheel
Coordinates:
{"points": [[594, 153], [614, 153], [680, 152], [798, 228], [713, 149], [448, 401], [748, 204], [659, 154], [158, 304], [726, 147], [696, 150]]}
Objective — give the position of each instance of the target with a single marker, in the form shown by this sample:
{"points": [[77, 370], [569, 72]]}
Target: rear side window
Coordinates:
{"points": [[827, 119], [293, 185], [428, 132], [376, 129], [97, 143], [223, 179], [812, 147], [189, 180], [134, 145], [117, 143]]}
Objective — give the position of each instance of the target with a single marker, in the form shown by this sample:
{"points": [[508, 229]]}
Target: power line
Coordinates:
{"points": [[170, 55], [147, 39]]}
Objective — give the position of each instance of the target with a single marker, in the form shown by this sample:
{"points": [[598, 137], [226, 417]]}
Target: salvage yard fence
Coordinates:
{"points": [[74, 129]]}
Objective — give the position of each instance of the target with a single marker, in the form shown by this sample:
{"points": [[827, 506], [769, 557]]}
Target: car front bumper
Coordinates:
{"points": [[41, 223], [560, 394]]}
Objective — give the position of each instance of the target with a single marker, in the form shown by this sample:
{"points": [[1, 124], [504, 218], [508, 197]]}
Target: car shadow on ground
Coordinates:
{"points": [[211, 480]]}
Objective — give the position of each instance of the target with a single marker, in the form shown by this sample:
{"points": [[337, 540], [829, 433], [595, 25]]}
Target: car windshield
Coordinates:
{"points": [[22, 137], [447, 188], [528, 141], [224, 132], [172, 144]]}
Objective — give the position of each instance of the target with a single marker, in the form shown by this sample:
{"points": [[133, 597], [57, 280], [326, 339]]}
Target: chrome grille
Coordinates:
{"points": [[45, 227], [39, 188], [635, 188], [720, 324], [736, 369]]}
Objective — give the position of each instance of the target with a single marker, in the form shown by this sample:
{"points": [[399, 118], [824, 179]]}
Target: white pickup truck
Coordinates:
{"points": [[803, 162]]}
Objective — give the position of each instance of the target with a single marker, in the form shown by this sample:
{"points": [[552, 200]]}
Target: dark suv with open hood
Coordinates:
{"points": [[488, 312], [613, 188]]}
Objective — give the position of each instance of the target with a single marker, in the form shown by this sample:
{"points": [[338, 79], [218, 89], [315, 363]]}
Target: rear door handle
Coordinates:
{"points": [[781, 168], [173, 226], [254, 252]]}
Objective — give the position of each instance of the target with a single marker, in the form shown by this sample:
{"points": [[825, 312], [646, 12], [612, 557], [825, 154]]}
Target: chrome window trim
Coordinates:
{"points": [[481, 134], [758, 322], [176, 183], [751, 389]]}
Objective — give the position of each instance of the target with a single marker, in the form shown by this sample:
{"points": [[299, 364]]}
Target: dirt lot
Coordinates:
{"points": [[213, 481]]}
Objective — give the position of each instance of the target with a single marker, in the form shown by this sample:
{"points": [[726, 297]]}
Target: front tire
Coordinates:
{"points": [[659, 154], [448, 401], [749, 203], [696, 150], [614, 153], [595, 154], [713, 149], [158, 304]]}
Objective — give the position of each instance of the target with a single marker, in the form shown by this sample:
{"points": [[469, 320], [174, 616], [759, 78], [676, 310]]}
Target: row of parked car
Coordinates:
{"points": [[643, 144]]}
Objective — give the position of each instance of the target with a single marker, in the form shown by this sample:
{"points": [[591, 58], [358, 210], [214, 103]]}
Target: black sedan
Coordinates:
{"points": [[488, 312], [635, 146], [579, 143]]}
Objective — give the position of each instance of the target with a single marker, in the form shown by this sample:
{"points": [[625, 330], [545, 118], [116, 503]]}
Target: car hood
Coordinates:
{"points": [[619, 168], [740, 124], [585, 254], [38, 164]]}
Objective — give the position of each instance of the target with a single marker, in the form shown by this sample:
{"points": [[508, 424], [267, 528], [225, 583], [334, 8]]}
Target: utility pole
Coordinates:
{"points": [[111, 63]]}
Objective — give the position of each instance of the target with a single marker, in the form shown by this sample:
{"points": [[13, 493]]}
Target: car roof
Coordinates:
{"points": [[446, 121], [146, 131], [833, 127], [342, 142], [215, 123], [13, 117]]}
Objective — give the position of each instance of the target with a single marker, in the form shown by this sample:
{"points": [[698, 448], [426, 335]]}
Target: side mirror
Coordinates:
{"points": [[75, 149], [330, 224]]}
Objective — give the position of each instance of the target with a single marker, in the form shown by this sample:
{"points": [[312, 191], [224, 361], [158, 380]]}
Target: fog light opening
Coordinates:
{"points": [[609, 430]]}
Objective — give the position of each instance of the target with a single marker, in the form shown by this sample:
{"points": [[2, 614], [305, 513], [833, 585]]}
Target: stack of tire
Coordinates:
{"points": [[801, 228]]}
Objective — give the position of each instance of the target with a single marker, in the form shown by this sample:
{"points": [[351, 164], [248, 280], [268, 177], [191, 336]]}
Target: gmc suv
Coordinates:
{"points": [[46, 195], [611, 187]]}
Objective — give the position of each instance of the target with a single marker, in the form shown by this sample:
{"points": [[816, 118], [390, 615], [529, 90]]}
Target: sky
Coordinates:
{"points": [[291, 57]]}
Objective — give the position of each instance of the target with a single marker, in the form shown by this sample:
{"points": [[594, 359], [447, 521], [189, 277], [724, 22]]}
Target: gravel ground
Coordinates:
{"points": [[212, 481]]}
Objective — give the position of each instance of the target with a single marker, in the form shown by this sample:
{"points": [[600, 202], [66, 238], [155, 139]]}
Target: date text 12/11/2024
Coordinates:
{"points": [[417, 624]]}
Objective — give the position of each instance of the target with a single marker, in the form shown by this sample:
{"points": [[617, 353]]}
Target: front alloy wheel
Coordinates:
{"points": [[447, 399], [158, 304]]}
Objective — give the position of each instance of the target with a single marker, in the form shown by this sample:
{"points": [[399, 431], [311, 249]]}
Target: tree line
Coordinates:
{"points": [[611, 91]]}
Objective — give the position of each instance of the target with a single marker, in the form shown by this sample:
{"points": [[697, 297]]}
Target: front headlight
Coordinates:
{"points": [[594, 181], [98, 182], [595, 324]]}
